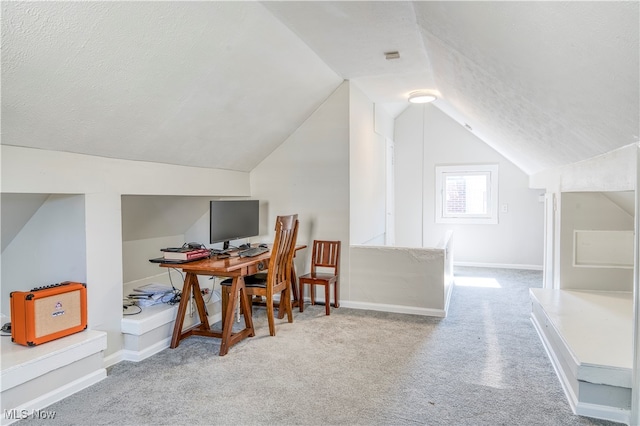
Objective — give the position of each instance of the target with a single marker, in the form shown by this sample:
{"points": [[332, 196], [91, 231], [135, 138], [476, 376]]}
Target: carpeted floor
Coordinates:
{"points": [[482, 365]]}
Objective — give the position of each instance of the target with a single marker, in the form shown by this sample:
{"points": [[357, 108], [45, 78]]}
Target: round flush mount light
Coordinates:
{"points": [[421, 97]]}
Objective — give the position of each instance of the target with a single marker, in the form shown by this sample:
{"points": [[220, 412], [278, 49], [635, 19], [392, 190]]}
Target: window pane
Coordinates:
{"points": [[465, 194]]}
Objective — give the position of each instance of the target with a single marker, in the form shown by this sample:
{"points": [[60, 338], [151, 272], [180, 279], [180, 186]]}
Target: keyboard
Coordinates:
{"points": [[253, 251]]}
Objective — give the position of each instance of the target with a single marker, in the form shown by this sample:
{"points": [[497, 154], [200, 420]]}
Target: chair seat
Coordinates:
{"points": [[277, 279], [257, 280], [317, 276]]}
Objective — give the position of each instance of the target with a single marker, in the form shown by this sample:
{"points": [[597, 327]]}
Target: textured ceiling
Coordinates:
{"points": [[222, 84], [209, 84], [545, 83]]}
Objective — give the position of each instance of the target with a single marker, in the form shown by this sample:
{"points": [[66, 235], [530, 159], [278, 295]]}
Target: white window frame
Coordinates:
{"points": [[490, 170]]}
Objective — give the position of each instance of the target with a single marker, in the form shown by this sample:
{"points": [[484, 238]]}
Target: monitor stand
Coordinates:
{"points": [[225, 249]]}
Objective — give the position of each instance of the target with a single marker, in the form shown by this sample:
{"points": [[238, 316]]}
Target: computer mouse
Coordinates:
{"points": [[263, 245]]}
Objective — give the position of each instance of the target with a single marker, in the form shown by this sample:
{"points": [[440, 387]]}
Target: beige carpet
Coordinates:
{"points": [[482, 365]]}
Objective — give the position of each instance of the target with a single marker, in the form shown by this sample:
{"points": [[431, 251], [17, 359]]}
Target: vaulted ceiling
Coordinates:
{"points": [[222, 84]]}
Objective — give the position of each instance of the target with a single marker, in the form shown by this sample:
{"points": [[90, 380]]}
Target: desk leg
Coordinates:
{"points": [[202, 310], [191, 286], [237, 287]]}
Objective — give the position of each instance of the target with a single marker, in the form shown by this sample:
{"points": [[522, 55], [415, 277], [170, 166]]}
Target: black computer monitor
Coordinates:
{"points": [[232, 220]]}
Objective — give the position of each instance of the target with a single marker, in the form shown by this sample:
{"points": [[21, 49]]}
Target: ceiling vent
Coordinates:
{"points": [[391, 55]]}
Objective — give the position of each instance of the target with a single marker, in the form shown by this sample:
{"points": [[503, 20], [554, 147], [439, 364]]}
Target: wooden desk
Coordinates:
{"points": [[234, 267]]}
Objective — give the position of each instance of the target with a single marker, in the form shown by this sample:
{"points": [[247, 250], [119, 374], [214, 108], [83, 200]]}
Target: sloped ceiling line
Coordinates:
{"points": [[551, 83], [481, 97], [222, 84]]}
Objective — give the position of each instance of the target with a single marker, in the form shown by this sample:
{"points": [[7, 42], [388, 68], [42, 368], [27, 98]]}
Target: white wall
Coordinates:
{"points": [[151, 222], [367, 151], [426, 137], [409, 178], [102, 182], [591, 211], [309, 175], [50, 249]]}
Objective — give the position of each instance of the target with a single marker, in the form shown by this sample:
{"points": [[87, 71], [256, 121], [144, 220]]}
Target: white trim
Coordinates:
{"points": [[608, 250], [490, 170], [80, 345], [603, 412], [137, 356], [112, 359], [579, 408], [597, 411], [400, 309], [59, 393], [634, 416], [572, 399], [500, 265], [447, 297], [139, 326]]}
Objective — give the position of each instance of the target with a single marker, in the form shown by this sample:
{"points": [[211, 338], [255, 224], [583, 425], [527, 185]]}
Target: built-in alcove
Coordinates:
{"points": [[150, 223], [44, 242], [596, 241], [585, 319]]}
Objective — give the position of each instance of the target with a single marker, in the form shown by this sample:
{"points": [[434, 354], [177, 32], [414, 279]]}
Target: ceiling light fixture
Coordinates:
{"points": [[421, 97]]}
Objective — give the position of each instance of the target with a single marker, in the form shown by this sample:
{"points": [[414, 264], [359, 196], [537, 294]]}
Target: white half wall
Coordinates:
{"points": [[400, 279], [426, 137]]}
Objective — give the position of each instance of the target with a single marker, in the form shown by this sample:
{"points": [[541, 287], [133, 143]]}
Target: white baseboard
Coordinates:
{"points": [[136, 356], [39, 403], [112, 359], [603, 412], [400, 309], [499, 265], [572, 398]]}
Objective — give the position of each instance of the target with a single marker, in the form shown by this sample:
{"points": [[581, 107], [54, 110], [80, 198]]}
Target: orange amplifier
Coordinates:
{"points": [[47, 313]]}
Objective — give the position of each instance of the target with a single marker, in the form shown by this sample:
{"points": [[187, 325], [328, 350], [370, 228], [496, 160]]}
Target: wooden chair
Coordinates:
{"points": [[325, 254], [278, 278]]}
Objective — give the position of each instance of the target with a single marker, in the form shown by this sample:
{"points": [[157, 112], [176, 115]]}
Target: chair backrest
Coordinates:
{"points": [[282, 251], [326, 254]]}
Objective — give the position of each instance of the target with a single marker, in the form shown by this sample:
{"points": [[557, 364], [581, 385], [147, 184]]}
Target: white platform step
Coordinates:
{"points": [[588, 336], [150, 331], [34, 377]]}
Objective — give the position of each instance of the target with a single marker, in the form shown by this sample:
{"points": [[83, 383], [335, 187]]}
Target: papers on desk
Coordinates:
{"points": [[151, 294]]}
